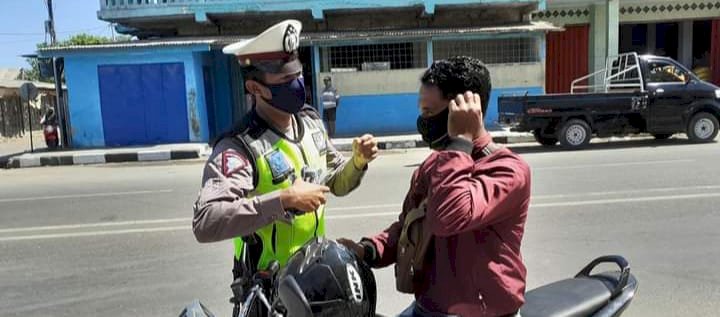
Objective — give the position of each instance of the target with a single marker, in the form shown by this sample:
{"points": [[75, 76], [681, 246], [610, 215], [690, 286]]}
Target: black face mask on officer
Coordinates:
{"points": [[288, 97]]}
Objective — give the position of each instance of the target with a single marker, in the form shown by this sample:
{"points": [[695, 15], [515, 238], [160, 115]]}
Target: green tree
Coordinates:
{"points": [[33, 73]]}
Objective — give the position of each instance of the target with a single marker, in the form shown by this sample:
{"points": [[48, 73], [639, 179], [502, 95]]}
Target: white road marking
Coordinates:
{"points": [[329, 217], [109, 194], [91, 233], [551, 168], [630, 191], [97, 224], [624, 200]]}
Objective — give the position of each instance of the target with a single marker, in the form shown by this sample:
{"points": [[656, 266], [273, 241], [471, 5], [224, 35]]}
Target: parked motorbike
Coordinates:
{"points": [[590, 294], [50, 129]]}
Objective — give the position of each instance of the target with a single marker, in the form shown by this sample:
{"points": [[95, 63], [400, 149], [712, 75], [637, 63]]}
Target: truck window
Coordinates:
{"points": [[666, 72]]}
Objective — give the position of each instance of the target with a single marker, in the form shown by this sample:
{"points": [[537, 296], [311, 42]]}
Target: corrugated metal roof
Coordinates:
{"points": [[15, 84], [132, 44], [9, 73], [323, 37]]}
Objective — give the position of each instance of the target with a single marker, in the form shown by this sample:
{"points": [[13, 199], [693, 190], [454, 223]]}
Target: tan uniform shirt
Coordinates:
{"points": [[224, 210]]}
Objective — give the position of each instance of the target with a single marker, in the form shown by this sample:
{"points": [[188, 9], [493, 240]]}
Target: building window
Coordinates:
{"points": [[374, 57], [494, 51]]}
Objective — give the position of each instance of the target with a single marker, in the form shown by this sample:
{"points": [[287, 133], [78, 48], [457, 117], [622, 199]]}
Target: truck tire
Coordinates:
{"points": [[575, 134], [662, 136], [703, 127], [543, 139]]}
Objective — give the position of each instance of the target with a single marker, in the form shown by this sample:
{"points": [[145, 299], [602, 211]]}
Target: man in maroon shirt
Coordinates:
{"points": [[477, 197]]}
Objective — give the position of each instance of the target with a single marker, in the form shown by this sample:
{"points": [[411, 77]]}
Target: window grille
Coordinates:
{"points": [[370, 57], [492, 51]]}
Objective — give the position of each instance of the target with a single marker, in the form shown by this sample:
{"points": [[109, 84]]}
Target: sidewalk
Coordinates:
{"points": [[196, 150], [14, 146], [164, 152]]}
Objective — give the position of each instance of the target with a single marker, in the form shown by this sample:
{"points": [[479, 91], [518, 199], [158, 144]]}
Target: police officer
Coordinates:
{"points": [[266, 180]]}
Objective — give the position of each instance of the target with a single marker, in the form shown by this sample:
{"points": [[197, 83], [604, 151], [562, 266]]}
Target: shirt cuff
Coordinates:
{"points": [[271, 206], [371, 254], [363, 170], [460, 144]]}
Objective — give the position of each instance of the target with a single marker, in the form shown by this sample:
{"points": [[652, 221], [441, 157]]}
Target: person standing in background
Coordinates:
{"points": [[331, 101]]}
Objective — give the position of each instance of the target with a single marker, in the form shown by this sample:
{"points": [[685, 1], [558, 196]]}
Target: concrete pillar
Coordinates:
{"points": [[598, 27], [430, 53], [613, 26], [316, 72], [604, 35], [651, 38], [685, 37]]}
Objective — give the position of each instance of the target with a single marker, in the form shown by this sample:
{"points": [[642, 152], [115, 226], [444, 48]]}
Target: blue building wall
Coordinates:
{"points": [[84, 94], [385, 111], [385, 102], [384, 114], [389, 114]]}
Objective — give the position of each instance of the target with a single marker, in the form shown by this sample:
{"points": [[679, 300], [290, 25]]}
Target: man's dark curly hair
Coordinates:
{"points": [[458, 74]]}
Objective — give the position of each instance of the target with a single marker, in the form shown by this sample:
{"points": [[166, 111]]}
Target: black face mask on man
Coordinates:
{"points": [[288, 97], [434, 129]]}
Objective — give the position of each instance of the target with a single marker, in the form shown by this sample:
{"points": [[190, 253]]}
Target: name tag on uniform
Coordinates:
{"points": [[320, 142], [279, 166]]}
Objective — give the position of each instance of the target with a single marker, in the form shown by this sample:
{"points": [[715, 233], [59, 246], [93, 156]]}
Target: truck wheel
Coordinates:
{"points": [[703, 127], [662, 136], [575, 134], [544, 140]]}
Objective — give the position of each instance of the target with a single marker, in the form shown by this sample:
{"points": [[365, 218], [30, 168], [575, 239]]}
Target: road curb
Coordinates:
{"points": [[30, 160]]}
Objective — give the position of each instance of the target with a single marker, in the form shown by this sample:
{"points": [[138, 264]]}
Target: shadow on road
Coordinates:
{"points": [[610, 145]]}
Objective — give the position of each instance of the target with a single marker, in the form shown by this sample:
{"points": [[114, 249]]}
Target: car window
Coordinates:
{"points": [[666, 72]]}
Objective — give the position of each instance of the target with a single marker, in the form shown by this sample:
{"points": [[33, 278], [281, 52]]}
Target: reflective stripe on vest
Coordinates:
{"points": [[280, 240]]}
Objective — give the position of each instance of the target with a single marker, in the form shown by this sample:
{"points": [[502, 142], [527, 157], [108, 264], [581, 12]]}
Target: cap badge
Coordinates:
{"points": [[291, 40]]}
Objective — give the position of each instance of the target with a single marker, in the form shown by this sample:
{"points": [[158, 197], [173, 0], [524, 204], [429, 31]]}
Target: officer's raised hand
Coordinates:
{"points": [[465, 119], [303, 196], [365, 150]]}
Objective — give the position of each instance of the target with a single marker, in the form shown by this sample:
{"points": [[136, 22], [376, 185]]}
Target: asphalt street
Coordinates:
{"points": [[115, 240]]}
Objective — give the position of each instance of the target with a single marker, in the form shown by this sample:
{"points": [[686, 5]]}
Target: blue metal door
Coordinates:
{"points": [[143, 104]]}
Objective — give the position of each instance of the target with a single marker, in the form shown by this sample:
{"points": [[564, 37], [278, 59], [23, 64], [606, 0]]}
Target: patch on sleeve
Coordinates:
{"points": [[320, 142], [232, 162]]}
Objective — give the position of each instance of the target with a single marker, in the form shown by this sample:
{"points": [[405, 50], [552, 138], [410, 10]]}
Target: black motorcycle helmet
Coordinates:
{"points": [[327, 279]]}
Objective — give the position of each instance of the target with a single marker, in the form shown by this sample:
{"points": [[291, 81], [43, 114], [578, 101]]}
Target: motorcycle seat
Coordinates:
{"points": [[574, 297]]}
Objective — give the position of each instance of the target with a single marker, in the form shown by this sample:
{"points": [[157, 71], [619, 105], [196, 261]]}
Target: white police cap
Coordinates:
{"points": [[274, 50]]}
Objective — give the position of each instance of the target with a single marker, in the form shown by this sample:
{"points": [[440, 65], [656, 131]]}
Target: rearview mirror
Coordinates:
{"points": [[293, 298]]}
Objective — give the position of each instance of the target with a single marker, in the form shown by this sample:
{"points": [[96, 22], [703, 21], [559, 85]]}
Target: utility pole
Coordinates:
{"points": [[58, 68], [50, 24]]}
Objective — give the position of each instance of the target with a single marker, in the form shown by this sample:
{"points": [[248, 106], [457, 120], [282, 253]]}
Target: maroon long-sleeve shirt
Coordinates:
{"points": [[477, 207]]}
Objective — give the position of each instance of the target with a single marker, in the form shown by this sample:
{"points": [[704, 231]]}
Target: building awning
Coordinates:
{"points": [[318, 37], [328, 37]]}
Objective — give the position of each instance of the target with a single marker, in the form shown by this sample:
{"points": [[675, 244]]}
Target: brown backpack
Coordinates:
{"points": [[412, 249]]}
